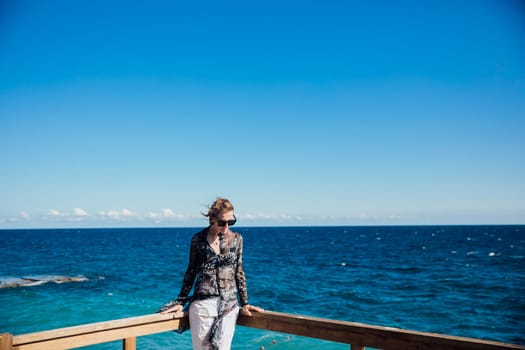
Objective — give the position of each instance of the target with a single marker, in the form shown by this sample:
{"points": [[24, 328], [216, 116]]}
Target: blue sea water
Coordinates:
{"points": [[459, 280]]}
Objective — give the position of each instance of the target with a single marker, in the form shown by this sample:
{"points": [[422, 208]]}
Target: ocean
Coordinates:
{"points": [[458, 280]]}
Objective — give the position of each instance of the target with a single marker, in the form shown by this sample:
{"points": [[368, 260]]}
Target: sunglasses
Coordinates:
{"points": [[223, 223]]}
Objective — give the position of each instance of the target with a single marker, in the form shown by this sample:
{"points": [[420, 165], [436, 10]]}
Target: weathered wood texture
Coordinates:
{"points": [[95, 333], [365, 335], [129, 344], [6, 341], [357, 335]]}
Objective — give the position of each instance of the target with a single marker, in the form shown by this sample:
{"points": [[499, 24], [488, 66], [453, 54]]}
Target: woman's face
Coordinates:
{"points": [[223, 221]]}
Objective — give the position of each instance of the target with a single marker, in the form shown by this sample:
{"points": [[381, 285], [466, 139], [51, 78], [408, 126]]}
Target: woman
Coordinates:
{"points": [[215, 268]]}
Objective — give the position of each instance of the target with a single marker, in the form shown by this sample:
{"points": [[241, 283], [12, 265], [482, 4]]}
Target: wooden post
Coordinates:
{"points": [[6, 341], [356, 347], [128, 343]]}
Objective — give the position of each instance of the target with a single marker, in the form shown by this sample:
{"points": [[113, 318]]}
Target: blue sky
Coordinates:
{"points": [[302, 113]]}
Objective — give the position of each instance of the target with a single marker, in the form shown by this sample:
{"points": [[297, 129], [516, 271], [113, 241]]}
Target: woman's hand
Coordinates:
{"points": [[176, 308], [247, 308]]}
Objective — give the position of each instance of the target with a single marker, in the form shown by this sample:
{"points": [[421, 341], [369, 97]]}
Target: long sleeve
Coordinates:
{"points": [[189, 276], [240, 276]]}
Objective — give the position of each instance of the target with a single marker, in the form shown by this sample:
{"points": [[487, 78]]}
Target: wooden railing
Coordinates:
{"points": [[357, 335]]}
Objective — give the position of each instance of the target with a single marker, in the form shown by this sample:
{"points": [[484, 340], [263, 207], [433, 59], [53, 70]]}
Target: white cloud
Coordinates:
{"points": [[55, 215], [127, 213], [112, 214], [119, 215], [367, 216], [152, 215], [277, 218], [286, 217], [257, 216], [22, 216], [80, 212], [54, 212], [166, 214]]}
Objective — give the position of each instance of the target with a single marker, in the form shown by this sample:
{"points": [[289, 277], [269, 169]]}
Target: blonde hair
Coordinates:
{"points": [[220, 205]]}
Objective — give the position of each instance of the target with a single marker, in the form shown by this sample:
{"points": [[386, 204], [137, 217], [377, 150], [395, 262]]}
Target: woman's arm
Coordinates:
{"points": [[187, 283], [240, 277]]}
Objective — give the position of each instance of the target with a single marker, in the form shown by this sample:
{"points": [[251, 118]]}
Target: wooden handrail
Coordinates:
{"points": [[101, 332], [357, 335], [361, 335]]}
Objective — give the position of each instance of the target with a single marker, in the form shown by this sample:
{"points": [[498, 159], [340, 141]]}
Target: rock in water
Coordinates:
{"points": [[30, 281]]}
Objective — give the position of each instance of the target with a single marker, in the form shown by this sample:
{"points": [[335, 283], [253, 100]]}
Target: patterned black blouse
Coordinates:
{"points": [[214, 275]]}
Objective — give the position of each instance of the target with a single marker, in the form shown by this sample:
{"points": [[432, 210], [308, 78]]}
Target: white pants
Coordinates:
{"points": [[202, 315]]}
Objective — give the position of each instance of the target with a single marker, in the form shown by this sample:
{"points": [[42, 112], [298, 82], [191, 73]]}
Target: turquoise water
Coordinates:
{"points": [[460, 280]]}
